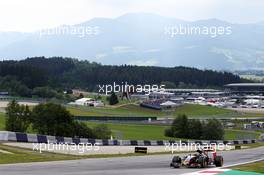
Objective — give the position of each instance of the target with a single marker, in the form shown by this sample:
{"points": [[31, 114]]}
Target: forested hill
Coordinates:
{"points": [[26, 76]]}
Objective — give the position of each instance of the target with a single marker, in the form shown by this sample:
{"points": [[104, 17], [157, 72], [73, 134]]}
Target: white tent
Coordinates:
{"points": [[83, 101], [168, 103], [252, 101], [87, 102]]}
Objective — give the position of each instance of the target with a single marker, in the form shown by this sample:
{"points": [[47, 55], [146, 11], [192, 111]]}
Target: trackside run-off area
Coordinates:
{"points": [[223, 172]]}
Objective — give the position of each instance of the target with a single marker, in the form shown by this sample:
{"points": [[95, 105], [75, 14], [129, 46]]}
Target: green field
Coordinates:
{"points": [[201, 110], [231, 134], [125, 110], [136, 132], [136, 111], [2, 121], [254, 167], [154, 132]]}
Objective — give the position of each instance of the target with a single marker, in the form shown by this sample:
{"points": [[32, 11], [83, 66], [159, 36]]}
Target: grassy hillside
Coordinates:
{"points": [[125, 110], [137, 111], [38, 73]]}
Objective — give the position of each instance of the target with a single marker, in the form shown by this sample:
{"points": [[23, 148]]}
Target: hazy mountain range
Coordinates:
{"points": [[145, 39]]}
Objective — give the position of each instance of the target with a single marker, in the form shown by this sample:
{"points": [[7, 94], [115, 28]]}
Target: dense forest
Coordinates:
{"points": [[47, 77]]}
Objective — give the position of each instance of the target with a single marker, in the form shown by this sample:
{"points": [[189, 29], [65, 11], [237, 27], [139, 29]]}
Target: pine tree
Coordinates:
{"points": [[113, 99], [17, 117]]}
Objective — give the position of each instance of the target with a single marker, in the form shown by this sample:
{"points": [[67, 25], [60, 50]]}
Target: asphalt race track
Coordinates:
{"points": [[152, 165]]}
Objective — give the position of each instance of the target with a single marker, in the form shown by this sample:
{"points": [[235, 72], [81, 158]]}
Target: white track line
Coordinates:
{"points": [[237, 164]]}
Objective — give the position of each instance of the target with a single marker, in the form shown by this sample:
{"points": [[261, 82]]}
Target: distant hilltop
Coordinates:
{"points": [[145, 39]]}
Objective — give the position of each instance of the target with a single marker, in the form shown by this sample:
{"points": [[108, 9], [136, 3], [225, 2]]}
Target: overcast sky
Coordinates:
{"points": [[30, 15]]}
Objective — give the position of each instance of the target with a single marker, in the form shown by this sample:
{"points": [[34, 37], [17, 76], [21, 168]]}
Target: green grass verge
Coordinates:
{"points": [[24, 155], [253, 167], [21, 155]]}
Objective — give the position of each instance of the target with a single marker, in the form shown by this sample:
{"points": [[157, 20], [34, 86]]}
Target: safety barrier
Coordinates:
{"points": [[6, 136]]}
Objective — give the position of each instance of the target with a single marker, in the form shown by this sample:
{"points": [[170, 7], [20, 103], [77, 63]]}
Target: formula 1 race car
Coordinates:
{"points": [[202, 159]]}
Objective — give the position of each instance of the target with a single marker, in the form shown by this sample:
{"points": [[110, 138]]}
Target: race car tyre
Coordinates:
{"points": [[175, 165], [176, 162], [202, 162], [205, 163], [219, 161], [176, 159]]}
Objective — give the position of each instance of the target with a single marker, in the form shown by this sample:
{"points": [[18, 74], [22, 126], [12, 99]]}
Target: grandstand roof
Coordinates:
{"points": [[245, 84]]}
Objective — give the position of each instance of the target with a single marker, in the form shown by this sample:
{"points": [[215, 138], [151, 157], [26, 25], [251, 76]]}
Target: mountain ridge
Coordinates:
{"points": [[140, 39]]}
